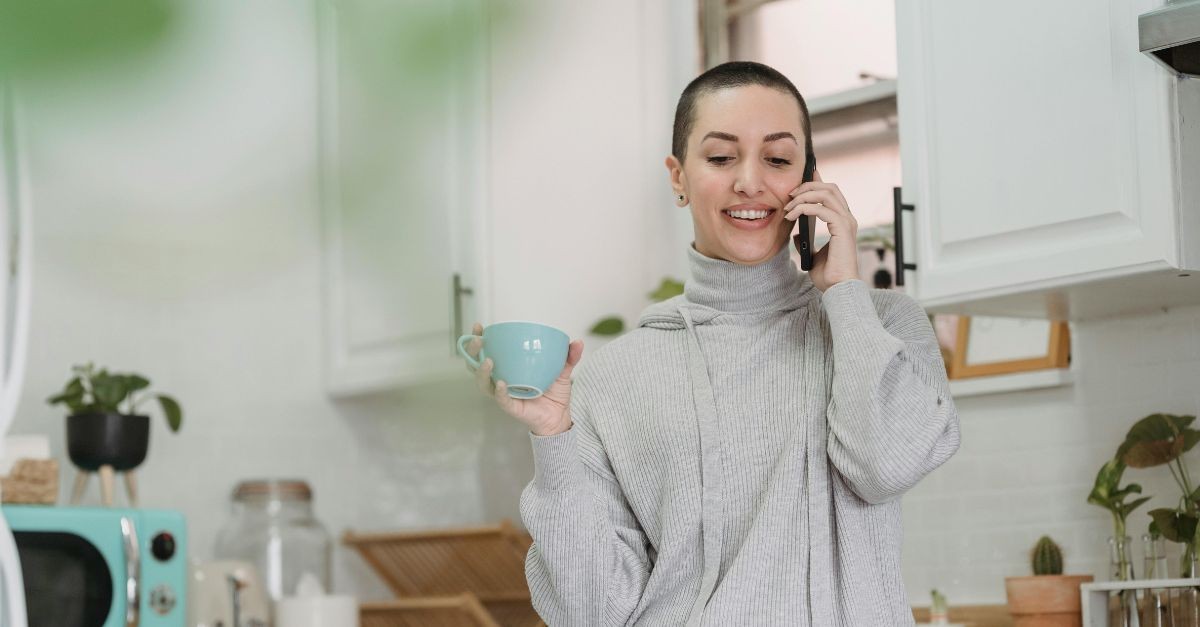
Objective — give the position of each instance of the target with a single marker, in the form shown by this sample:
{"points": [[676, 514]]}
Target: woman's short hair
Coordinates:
{"points": [[733, 74]]}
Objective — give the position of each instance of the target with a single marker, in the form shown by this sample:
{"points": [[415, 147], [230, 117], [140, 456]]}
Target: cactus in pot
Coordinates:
{"points": [[1048, 596], [1047, 557]]}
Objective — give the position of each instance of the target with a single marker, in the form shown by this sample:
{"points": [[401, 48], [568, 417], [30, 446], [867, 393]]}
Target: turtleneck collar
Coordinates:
{"points": [[734, 288]]}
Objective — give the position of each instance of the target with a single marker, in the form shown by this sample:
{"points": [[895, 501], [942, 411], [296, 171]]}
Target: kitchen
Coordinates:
{"points": [[198, 216]]}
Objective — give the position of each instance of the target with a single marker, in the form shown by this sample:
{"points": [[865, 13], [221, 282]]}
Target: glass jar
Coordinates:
{"points": [[1122, 604], [1156, 602], [273, 528]]}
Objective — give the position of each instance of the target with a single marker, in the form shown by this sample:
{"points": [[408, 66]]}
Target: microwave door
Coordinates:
{"points": [[12, 592], [16, 256]]}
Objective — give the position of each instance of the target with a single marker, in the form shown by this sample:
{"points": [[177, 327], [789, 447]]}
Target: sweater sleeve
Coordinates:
{"points": [[891, 418], [589, 562]]}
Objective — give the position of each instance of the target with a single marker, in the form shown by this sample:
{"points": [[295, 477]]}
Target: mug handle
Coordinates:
{"points": [[474, 363]]}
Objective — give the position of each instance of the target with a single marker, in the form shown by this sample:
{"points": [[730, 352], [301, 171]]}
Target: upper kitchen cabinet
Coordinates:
{"points": [[534, 173], [401, 147], [1044, 157]]}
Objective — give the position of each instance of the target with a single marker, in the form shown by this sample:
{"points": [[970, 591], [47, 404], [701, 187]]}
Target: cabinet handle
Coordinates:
{"points": [[898, 209], [456, 324]]}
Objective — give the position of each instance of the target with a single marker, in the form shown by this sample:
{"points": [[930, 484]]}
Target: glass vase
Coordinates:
{"points": [[1122, 604], [1189, 600], [1156, 602]]}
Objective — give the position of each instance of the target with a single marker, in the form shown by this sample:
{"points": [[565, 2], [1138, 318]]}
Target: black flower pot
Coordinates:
{"points": [[107, 439]]}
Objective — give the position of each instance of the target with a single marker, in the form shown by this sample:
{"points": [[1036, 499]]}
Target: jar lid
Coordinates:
{"points": [[283, 489]]}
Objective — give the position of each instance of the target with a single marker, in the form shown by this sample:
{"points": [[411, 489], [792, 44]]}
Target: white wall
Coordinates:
{"points": [[1028, 461]]}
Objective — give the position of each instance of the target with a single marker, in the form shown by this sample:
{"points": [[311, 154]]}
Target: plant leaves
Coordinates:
{"points": [[1127, 508], [172, 411], [135, 382], [1106, 483], [108, 391], [1154, 440], [72, 393], [1175, 525], [1165, 520], [609, 326], [669, 288]]}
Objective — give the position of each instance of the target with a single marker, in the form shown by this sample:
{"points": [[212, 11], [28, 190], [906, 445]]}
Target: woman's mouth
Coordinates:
{"points": [[749, 219]]}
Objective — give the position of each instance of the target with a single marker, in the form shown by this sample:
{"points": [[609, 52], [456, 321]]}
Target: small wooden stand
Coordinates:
{"points": [[107, 481]]}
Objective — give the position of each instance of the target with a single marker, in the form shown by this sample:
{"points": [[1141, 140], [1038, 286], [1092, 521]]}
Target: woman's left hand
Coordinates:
{"points": [[837, 260]]}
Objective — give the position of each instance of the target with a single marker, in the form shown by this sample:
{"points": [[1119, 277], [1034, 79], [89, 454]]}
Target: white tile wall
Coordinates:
{"points": [[1028, 460]]}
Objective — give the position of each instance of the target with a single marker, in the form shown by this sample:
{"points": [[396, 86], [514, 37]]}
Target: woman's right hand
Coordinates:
{"points": [[548, 414]]}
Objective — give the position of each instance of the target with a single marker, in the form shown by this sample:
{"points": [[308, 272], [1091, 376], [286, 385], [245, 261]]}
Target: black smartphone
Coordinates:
{"points": [[807, 224]]}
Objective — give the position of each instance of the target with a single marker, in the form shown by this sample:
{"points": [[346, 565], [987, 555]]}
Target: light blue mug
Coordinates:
{"points": [[527, 356]]}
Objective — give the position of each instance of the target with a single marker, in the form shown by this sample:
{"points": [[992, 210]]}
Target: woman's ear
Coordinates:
{"points": [[678, 179]]}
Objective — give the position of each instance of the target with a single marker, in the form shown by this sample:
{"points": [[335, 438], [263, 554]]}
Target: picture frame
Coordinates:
{"points": [[989, 346]]}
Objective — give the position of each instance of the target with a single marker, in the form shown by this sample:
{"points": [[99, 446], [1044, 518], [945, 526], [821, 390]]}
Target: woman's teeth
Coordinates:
{"points": [[749, 215]]}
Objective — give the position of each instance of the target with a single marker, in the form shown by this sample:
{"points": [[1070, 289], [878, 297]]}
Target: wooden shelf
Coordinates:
{"points": [[1021, 381], [851, 98]]}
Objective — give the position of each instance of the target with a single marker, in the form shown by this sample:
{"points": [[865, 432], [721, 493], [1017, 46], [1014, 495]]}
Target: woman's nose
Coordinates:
{"points": [[749, 178]]}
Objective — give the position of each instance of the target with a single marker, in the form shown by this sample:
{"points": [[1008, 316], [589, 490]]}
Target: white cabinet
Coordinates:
{"points": [[1037, 146], [540, 182], [401, 193]]}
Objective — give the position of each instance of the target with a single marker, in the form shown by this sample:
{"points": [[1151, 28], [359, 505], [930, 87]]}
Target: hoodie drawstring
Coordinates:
{"points": [[712, 530]]}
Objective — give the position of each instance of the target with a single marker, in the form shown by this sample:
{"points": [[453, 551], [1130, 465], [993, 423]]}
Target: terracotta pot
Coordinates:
{"points": [[1045, 600]]}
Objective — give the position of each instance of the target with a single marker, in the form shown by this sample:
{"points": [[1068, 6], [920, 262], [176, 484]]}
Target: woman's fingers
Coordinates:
{"points": [[483, 377], [574, 354], [512, 406], [826, 214]]}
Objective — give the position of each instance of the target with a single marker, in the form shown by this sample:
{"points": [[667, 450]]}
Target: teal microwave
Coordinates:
{"points": [[101, 567]]}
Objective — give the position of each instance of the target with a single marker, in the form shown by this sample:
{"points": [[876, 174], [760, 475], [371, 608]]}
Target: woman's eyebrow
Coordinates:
{"points": [[733, 138]]}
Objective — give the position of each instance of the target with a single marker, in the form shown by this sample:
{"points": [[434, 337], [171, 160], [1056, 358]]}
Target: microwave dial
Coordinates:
{"points": [[163, 546], [162, 599]]}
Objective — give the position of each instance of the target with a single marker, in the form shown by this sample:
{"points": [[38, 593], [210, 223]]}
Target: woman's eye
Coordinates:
{"points": [[718, 160], [779, 161]]}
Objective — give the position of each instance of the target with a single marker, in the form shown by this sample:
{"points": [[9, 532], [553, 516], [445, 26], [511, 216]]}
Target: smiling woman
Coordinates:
{"points": [[739, 457]]}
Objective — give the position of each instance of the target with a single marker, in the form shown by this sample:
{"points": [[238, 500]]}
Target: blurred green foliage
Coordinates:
{"points": [[40, 38]]}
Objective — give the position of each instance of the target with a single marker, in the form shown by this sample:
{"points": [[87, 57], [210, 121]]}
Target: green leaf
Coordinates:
{"points": [[1127, 508], [609, 326], [1106, 483], [134, 382], [108, 391], [1165, 520], [1190, 438], [1153, 441], [669, 288], [1132, 488], [73, 392], [172, 411]]}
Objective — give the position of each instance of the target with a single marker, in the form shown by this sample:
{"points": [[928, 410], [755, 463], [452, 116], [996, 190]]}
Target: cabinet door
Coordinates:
{"points": [[1035, 142], [399, 139]]}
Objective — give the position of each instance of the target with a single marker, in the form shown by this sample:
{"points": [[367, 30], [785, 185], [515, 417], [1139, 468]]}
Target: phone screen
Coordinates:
{"points": [[807, 224]]}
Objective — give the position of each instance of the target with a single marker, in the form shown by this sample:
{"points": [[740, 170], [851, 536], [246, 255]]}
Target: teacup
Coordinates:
{"points": [[527, 356]]}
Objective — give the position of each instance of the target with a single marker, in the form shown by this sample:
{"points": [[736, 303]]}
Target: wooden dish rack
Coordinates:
{"points": [[468, 577]]}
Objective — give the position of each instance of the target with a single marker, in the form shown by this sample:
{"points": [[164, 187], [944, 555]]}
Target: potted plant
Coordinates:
{"points": [[1161, 440], [104, 428], [1048, 598]]}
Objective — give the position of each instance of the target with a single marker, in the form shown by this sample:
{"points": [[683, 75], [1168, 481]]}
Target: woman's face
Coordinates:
{"points": [[744, 153]]}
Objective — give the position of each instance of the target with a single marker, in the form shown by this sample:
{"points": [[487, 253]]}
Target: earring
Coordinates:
{"points": [[680, 197]]}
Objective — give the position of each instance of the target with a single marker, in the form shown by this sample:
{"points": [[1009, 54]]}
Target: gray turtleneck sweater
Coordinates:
{"points": [[738, 459]]}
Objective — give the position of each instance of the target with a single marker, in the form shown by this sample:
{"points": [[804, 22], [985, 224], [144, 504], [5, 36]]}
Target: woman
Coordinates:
{"points": [[739, 457]]}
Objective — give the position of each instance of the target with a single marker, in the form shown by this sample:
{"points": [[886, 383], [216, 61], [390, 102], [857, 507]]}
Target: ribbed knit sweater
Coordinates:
{"points": [[738, 458]]}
